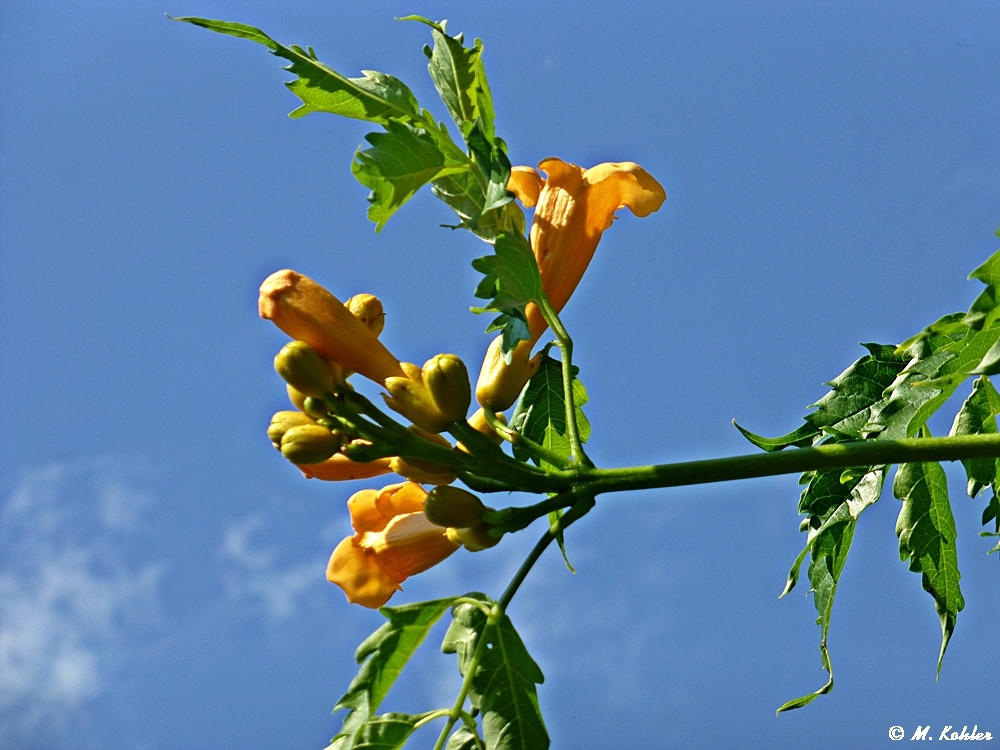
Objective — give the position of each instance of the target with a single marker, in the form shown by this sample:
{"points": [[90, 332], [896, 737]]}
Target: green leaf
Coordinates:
{"points": [[846, 409], [463, 739], [939, 365], [986, 308], [382, 657], [802, 437], [834, 507], [978, 416], [511, 281], [376, 97], [926, 531], [540, 414], [503, 685], [400, 162], [992, 513], [385, 732], [459, 77]]}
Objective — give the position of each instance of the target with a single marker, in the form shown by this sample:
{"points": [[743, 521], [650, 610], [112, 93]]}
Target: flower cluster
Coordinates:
{"points": [[403, 529]]}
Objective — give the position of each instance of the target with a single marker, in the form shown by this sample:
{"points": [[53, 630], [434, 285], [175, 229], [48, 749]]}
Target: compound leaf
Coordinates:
{"points": [[400, 162], [511, 281], [833, 507], [503, 685], [376, 97], [382, 657], [926, 531]]}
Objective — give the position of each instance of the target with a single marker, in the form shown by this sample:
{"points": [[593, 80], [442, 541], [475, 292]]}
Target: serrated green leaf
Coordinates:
{"points": [[978, 416], [382, 657], [984, 310], [400, 162], [376, 97], [511, 280], [939, 365], [926, 531], [460, 78], [503, 686], [834, 507], [846, 409], [540, 414]]}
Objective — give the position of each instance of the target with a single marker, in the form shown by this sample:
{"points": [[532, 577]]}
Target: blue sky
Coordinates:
{"points": [[832, 178]]}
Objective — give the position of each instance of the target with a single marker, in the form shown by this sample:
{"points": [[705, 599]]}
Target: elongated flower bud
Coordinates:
{"points": [[448, 381], [283, 421], [424, 472], [452, 506], [410, 397], [340, 468], [307, 312], [368, 309], [499, 383], [303, 369], [309, 444]]}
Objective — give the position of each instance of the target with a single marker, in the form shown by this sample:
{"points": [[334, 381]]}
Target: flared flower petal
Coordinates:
{"points": [[410, 544], [307, 312], [357, 571], [393, 541]]}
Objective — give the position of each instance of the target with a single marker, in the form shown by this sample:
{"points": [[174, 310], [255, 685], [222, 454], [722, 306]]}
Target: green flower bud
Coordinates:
{"points": [[315, 407], [474, 538], [451, 506], [309, 444], [283, 421], [303, 369], [448, 382]]}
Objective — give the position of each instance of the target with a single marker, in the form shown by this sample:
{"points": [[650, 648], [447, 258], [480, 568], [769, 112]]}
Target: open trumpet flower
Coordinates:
{"points": [[393, 540], [573, 208]]}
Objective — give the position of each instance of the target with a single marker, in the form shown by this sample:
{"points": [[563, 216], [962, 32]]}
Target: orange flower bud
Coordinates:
{"points": [[410, 397], [307, 312], [500, 384], [340, 468], [368, 309]]}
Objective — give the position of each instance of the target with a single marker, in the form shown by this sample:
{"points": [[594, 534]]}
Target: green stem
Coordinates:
{"points": [[565, 344], [833, 456], [499, 609]]}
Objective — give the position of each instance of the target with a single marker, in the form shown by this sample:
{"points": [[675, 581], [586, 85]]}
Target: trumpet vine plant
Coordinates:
{"points": [[529, 430]]}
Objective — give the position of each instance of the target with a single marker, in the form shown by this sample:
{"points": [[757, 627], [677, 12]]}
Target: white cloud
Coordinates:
{"points": [[258, 581], [67, 596]]}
